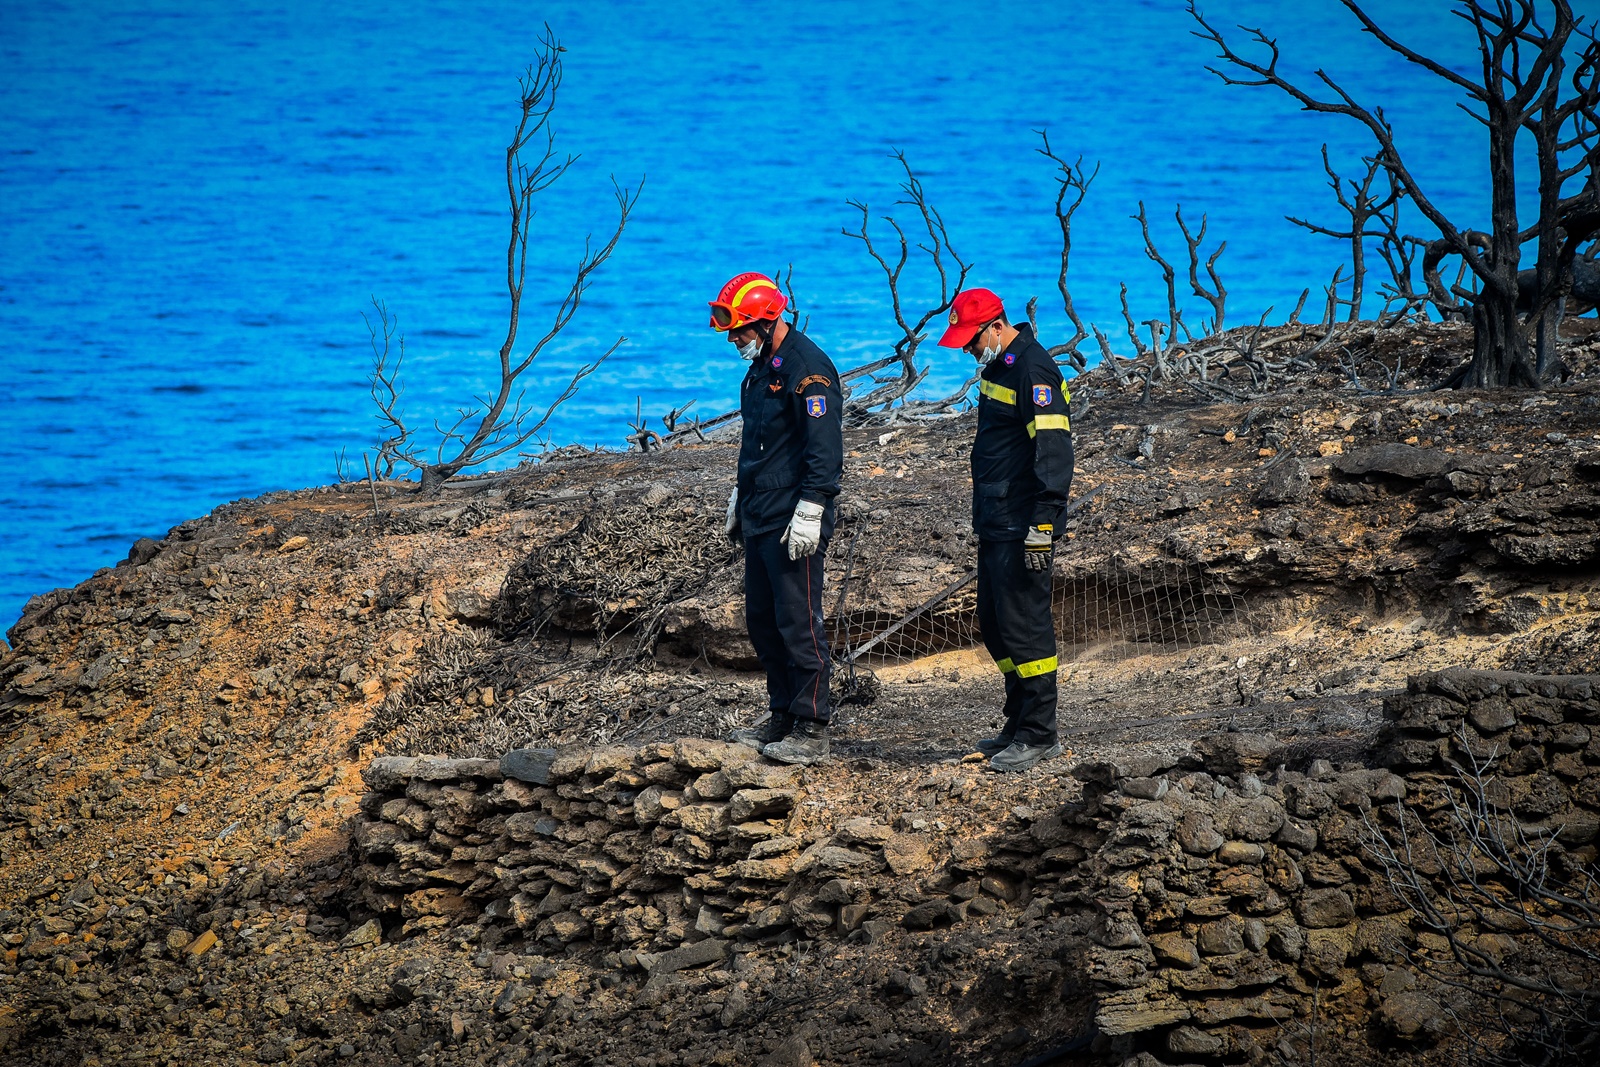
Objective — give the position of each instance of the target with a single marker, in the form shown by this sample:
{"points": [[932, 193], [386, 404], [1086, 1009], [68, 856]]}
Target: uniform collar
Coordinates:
{"points": [[1007, 359], [1023, 339]]}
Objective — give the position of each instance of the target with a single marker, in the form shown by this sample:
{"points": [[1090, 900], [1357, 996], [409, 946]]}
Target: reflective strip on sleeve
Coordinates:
{"points": [[998, 392], [1036, 667], [1049, 422], [1005, 665]]}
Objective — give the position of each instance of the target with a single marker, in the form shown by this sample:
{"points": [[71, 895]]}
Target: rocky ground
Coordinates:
{"points": [[182, 736]]}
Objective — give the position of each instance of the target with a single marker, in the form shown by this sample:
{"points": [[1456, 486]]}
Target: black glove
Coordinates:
{"points": [[1038, 549]]}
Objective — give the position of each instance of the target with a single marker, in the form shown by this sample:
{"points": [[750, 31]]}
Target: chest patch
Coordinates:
{"points": [[1011, 357], [816, 406], [777, 361], [1041, 396], [776, 386]]}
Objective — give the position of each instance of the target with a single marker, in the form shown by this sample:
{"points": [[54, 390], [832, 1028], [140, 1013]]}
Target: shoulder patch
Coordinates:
{"points": [[812, 379], [816, 406], [1041, 396]]}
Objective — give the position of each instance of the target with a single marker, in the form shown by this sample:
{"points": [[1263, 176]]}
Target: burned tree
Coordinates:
{"points": [[1071, 179], [1530, 84], [502, 422], [937, 248], [1364, 207]]}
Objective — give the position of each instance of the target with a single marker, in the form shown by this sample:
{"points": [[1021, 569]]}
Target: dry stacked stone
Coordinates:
{"points": [[686, 846], [1229, 899], [1207, 905]]}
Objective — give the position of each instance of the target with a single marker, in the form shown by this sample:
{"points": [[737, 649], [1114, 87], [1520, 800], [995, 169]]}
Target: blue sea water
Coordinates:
{"points": [[198, 199]]}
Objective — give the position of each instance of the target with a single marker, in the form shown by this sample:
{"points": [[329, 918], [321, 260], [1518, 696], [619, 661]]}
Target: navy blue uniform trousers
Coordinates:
{"points": [[1020, 633], [783, 610]]}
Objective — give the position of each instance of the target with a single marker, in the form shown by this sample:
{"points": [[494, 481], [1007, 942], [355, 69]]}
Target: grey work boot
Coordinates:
{"points": [[993, 746], [775, 728], [806, 744], [1021, 757]]}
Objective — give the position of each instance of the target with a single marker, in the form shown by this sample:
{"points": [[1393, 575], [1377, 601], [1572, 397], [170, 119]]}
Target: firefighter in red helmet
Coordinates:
{"points": [[791, 455], [1021, 475]]}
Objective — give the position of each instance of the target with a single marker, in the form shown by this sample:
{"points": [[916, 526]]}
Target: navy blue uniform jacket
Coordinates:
{"points": [[792, 448], [1022, 457]]}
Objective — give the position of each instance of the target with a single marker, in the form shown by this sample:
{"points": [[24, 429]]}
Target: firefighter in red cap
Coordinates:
{"points": [[791, 455], [1021, 474]]}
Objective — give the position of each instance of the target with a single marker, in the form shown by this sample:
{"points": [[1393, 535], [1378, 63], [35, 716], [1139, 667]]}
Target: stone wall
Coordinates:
{"points": [[1217, 908], [1234, 903]]}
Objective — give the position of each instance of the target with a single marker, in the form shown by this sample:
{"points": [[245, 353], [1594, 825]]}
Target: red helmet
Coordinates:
{"points": [[746, 298]]}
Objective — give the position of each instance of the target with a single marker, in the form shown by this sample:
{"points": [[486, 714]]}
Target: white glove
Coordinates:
{"points": [[731, 525], [805, 529]]}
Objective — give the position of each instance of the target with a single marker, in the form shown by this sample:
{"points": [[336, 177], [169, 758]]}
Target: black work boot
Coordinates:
{"points": [[993, 746], [1022, 756], [806, 744], [775, 728]]}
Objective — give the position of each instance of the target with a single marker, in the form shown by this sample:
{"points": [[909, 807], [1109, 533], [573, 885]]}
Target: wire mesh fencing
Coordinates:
{"points": [[1116, 605]]}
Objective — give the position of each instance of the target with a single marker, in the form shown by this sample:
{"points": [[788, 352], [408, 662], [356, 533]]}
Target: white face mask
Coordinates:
{"points": [[986, 357], [750, 350]]}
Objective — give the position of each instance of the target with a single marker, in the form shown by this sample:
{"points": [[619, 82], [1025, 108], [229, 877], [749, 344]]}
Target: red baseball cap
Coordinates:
{"points": [[970, 309]]}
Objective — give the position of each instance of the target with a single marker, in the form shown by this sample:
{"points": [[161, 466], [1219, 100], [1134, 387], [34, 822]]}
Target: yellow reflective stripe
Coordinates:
{"points": [[1005, 665], [744, 290], [1035, 667], [1048, 422], [998, 392]]}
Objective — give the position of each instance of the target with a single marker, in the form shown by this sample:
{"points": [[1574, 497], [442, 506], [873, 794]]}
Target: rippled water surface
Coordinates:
{"points": [[197, 201]]}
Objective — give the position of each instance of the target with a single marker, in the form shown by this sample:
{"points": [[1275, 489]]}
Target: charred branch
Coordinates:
{"points": [[938, 249], [501, 421], [1072, 185]]}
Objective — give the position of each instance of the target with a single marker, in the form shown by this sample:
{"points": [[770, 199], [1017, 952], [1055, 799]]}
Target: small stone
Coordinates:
{"points": [[711, 950], [1175, 950], [1197, 834], [713, 786], [1415, 1018], [201, 945], [368, 933], [863, 831], [792, 1053], [1326, 908], [750, 804], [1189, 1041], [528, 764], [178, 939], [1297, 836], [908, 853], [389, 772], [998, 887], [513, 994], [1397, 980], [1144, 788], [1234, 853], [1221, 938], [1326, 953]]}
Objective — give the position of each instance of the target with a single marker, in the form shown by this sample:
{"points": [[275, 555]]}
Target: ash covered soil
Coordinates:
{"points": [[181, 737]]}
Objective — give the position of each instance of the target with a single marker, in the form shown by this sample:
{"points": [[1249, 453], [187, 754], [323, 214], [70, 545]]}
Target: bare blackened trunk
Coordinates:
{"points": [[1499, 348]]}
